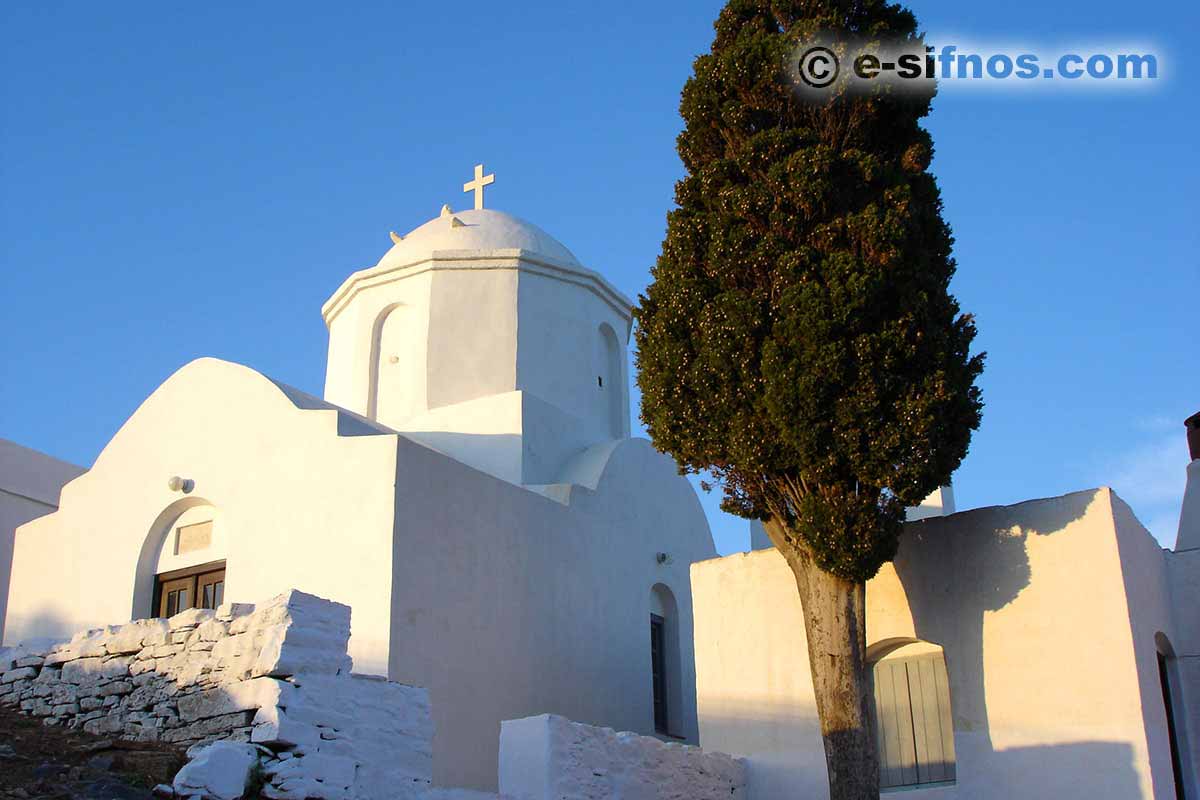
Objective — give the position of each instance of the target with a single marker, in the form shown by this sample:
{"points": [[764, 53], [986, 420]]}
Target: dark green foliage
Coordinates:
{"points": [[799, 340]]}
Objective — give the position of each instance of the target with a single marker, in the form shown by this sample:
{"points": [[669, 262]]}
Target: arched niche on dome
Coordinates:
{"points": [[609, 379], [397, 382], [183, 560]]}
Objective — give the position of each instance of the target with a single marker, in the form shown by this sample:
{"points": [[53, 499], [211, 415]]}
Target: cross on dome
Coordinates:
{"points": [[477, 185]]}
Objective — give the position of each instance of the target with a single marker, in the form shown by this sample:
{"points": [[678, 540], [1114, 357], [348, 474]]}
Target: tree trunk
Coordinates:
{"points": [[835, 621]]}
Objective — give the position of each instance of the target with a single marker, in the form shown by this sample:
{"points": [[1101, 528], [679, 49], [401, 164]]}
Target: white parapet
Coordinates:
{"points": [[549, 757]]}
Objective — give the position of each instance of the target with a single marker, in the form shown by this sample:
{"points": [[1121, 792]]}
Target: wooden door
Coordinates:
{"points": [[177, 595], [202, 586], [210, 588], [658, 671]]}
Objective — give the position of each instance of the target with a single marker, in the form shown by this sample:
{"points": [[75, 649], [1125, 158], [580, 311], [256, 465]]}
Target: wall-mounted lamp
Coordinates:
{"points": [[178, 484], [662, 558]]}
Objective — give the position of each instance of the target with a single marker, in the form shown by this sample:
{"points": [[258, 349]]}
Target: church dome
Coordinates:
{"points": [[476, 229]]}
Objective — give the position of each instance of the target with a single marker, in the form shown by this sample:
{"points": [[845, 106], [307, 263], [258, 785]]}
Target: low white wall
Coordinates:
{"points": [[278, 677], [550, 758], [29, 486]]}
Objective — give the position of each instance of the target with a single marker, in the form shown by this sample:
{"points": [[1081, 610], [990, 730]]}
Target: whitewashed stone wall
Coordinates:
{"points": [[551, 758], [269, 692], [276, 678]]}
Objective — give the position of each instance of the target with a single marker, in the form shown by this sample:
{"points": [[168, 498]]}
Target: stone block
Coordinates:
{"points": [[132, 638], [96, 643], [117, 666], [230, 611], [166, 650], [48, 675], [273, 727], [30, 661], [212, 631], [64, 693], [36, 706], [242, 696], [165, 711], [140, 667], [116, 688], [100, 726], [21, 673], [219, 771], [213, 726], [60, 656], [235, 646], [295, 780], [82, 670], [190, 618]]}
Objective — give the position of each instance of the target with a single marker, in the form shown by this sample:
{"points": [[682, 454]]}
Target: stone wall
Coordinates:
{"points": [[266, 695], [549, 758], [276, 678]]}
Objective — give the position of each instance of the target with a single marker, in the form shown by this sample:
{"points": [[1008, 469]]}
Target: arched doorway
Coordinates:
{"points": [[1167, 682], [183, 561], [666, 675], [914, 726]]}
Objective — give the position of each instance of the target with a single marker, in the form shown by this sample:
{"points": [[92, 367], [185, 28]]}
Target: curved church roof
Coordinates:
{"points": [[471, 236], [477, 229]]}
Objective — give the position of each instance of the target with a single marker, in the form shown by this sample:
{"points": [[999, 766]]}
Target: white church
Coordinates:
{"points": [[469, 487]]}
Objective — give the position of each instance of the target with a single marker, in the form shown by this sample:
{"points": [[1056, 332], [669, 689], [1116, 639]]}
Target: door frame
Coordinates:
{"points": [[176, 574]]}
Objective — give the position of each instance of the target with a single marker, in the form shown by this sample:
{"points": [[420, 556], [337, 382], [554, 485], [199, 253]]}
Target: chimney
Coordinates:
{"points": [[1189, 515], [1192, 424]]}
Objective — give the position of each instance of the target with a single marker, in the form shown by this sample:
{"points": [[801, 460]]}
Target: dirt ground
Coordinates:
{"points": [[37, 761]]}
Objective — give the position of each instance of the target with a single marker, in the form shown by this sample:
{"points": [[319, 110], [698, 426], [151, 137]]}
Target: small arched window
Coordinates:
{"points": [[397, 389], [913, 725], [608, 380]]}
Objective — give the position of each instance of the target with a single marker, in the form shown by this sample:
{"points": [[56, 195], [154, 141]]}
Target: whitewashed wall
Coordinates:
{"points": [[300, 505], [548, 598], [29, 486], [502, 600], [1046, 612]]}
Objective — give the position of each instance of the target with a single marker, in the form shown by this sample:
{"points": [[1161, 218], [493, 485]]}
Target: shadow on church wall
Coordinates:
{"points": [[953, 577], [36, 631], [787, 762]]}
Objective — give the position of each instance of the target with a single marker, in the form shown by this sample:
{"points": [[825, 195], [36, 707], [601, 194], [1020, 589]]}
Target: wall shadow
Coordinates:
{"points": [[786, 762], [953, 577], [37, 632]]}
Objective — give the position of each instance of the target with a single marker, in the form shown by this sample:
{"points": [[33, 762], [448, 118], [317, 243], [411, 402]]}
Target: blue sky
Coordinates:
{"points": [[188, 180]]}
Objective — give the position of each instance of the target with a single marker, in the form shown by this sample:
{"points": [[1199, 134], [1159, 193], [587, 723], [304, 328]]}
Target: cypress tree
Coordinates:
{"points": [[798, 341]]}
